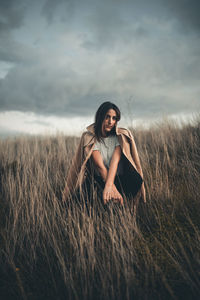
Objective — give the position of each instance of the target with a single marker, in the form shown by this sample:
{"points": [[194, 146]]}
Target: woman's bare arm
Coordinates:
{"points": [[109, 186], [113, 166], [110, 190], [98, 160]]}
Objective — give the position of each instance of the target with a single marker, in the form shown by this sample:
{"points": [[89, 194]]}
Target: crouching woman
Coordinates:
{"points": [[107, 157]]}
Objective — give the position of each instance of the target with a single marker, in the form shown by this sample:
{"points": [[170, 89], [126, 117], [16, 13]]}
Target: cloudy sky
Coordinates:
{"points": [[59, 60]]}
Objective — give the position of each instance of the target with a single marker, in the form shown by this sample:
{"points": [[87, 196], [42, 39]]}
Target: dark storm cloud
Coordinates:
{"points": [[110, 11], [107, 24], [11, 18], [122, 49], [15, 52], [51, 10], [48, 91], [187, 13], [156, 106], [102, 23], [11, 14]]}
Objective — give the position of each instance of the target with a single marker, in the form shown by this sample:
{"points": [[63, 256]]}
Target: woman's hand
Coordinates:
{"points": [[117, 195], [111, 193]]}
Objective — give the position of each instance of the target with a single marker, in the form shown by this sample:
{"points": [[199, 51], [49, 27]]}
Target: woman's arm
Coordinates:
{"points": [[110, 190], [109, 186], [113, 166], [98, 160]]}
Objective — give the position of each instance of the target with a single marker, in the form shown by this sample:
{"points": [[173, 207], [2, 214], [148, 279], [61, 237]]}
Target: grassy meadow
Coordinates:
{"points": [[54, 251]]}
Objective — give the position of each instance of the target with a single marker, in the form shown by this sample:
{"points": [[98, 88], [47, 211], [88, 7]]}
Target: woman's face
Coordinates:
{"points": [[109, 122]]}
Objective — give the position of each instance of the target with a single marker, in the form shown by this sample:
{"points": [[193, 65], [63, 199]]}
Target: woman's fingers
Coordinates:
{"points": [[112, 194], [106, 197], [118, 197], [107, 194]]}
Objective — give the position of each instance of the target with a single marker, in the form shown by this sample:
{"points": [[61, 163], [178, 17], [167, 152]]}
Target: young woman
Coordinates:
{"points": [[107, 157]]}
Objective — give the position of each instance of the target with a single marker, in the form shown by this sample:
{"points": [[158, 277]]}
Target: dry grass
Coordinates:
{"points": [[49, 251]]}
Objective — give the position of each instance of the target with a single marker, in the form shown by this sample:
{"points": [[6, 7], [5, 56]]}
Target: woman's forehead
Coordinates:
{"points": [[111, 112]]}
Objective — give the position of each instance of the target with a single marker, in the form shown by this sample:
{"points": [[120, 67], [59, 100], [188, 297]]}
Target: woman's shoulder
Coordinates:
{"points": [[86, 137]]}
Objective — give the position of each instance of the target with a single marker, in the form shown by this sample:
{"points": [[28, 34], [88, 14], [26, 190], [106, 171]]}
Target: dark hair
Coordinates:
{"points": [[100, 116]]}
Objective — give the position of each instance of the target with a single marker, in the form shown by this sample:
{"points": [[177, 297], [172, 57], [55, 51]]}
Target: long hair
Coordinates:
{"points": [[100, 116]]}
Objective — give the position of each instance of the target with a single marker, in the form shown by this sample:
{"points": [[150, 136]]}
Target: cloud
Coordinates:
{"points": [[159, 79], [112, 13], [11, 14], [61, 9], [101, 24], [5, 132], [48, 88], [16, 123], [187, 12], [92, 51]]}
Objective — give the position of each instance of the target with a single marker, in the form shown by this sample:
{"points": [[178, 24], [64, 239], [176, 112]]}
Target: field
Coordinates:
{"points": [[54, 251]]}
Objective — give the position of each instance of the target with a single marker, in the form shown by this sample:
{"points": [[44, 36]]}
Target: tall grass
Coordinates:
{"points": [[55, 251]]}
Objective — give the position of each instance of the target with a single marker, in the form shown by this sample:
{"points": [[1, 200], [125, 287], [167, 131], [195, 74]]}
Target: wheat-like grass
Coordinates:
{"points": [[57, 251]]}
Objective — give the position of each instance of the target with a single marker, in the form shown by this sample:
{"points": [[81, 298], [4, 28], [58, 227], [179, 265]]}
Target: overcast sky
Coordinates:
{"points": [[59, 60]]}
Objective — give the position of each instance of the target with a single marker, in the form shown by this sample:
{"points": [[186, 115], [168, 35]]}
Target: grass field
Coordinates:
{"points": [[51, 252]]}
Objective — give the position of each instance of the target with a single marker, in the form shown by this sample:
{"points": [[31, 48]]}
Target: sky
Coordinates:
{"points": [[59, 60]]}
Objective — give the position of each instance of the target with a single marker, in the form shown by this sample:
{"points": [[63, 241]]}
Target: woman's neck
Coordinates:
{"points": [[104, 135]]}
